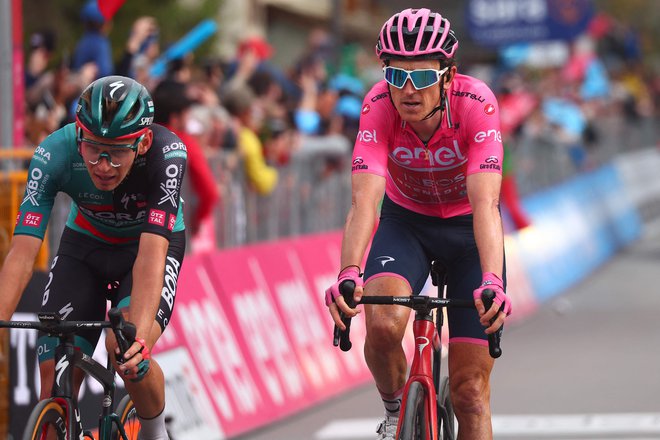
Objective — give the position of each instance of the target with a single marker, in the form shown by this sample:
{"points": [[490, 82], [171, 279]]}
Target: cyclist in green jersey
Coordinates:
{"points": [[125, 229]]}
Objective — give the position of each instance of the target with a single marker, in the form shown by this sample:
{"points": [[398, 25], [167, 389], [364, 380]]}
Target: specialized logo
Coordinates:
{"points": [[384, 259], [157, 217], [126, 198], [32, 219], [60, 368], [489, 109], [147, 120], [66, 311], [115, 86]]}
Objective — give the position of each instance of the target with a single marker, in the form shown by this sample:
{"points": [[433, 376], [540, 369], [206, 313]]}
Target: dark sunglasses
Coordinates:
{"points": [[420, 78]]}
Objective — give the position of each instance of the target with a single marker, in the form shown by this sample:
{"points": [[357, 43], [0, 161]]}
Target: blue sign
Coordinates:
{"points": [[503, 22]]}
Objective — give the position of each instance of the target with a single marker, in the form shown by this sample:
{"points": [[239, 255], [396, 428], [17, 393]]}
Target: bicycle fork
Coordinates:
{"points": [[421, 371]]}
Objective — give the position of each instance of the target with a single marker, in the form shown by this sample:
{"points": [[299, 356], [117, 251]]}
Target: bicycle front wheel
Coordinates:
{"points": [[447, 422], [414, 423], [47, 419], [128, 420]]}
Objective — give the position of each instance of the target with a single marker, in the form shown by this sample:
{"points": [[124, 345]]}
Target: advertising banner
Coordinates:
{"points": [[502, 22]]}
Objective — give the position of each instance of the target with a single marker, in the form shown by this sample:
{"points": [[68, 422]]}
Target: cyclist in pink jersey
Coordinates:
{"points": [[430, 148]]}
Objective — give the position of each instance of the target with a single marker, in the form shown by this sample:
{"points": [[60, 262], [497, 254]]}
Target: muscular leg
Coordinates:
{"points": [[386, 326], [469, 374], [148, 395]]}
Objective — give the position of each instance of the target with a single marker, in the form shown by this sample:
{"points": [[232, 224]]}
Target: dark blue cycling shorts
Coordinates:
{"points": [[406, 243], [79, 280]]}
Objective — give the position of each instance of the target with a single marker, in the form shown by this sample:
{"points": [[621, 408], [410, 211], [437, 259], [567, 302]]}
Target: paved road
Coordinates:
{"points": [[585, 366]]}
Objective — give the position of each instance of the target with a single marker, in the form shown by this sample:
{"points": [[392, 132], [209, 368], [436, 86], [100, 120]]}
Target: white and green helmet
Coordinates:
{"points": [[115, 107]]}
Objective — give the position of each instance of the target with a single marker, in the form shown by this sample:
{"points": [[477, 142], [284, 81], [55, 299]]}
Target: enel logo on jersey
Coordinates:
{"points": [[443, 156]]}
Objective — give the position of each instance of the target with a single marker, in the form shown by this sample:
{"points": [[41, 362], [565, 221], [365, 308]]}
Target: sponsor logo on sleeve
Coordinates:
{"points": [[171, 221], [175, 149], [18, 218], [32, 186], [365, 109], [170, 186], [491, 163], [358, 164], [367, 136], [41, 155], [157, 217], [488, 135], [32, 219], [470, 95], [380, 96], [489, 109]]}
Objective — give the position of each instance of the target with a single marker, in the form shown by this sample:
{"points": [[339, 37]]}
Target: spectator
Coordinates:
{"points": [[172, 104], [94, 45], [42, 45], [43, 113], [239, 101], [142, 49]]}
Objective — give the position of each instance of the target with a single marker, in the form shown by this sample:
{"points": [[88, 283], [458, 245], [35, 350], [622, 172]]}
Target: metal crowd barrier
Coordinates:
{"points": [[313, 193]]}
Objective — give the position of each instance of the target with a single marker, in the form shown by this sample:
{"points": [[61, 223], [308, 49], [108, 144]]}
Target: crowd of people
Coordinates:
{"points": [[258, 115]]}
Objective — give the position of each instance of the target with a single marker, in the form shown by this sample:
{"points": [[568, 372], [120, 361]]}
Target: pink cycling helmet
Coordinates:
{"points": [[416, 33]]}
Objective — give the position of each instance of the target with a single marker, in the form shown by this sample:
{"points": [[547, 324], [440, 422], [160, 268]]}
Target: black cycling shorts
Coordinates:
{"points": [[87, 273], [406, 243]]}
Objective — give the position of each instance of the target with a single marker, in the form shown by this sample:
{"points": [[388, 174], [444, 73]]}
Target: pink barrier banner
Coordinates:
{"points": [[252, 325]]}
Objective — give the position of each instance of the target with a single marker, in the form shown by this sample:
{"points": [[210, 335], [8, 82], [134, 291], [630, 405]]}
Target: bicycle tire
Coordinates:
{"points": [[446, 416], [127, 419], [46, 414], [414, 423]]}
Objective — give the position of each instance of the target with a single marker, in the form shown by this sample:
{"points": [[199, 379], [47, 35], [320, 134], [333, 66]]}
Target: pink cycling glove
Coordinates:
{"points": [[494, 283], [349, 273]]}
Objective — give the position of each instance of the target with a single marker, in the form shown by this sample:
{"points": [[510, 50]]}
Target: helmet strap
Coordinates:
{"points": [[440, 107]]}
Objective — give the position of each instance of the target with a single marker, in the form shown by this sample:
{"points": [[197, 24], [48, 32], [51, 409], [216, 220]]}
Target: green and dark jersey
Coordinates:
{"points": [[148, 200]]}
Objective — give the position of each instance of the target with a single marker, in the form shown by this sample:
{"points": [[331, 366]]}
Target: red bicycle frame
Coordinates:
{"points": [[426, 337]]}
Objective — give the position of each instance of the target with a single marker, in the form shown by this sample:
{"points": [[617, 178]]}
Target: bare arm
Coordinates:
{"points": [[148, 271], [368, 190], [484, 194], [16, 272]]}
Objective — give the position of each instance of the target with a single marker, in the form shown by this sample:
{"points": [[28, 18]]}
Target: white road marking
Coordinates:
{"points": [[523, 425]]}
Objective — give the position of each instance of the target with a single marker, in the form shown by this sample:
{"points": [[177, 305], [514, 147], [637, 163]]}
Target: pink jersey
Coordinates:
{"points": [[430, 179]]}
